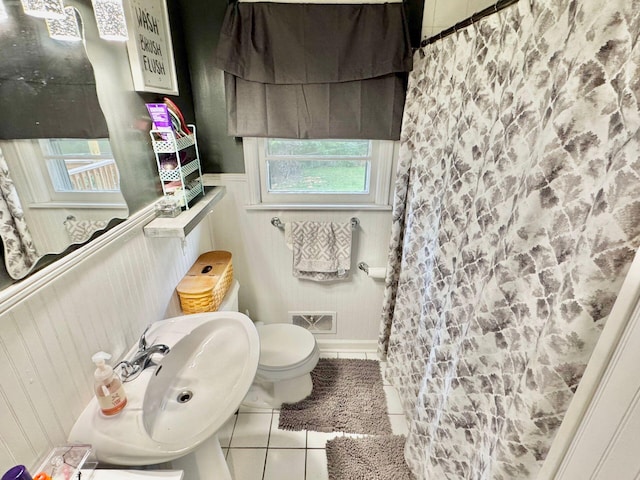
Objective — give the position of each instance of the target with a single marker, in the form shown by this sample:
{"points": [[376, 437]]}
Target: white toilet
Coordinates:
{"points": [[288, 353]]}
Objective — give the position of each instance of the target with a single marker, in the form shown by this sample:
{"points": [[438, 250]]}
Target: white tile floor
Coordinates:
{"points": [[256, 449]]}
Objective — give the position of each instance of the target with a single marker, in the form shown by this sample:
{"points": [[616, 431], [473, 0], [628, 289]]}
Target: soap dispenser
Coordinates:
{"points": [[108, 386]]}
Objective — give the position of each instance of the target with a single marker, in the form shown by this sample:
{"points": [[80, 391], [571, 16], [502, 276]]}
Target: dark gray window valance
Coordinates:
{"points": [[315, 70], [47, 87]]}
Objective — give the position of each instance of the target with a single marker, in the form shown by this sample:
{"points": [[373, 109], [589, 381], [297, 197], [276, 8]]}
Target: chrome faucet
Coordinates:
{"points": [[130, 369]]}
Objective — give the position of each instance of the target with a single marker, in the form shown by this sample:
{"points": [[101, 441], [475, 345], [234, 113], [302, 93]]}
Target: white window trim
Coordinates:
{"points": [[28, 170], [384, 158]]}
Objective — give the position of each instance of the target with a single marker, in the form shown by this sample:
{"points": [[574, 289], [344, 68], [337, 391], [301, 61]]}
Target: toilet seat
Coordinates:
{"points": [[288, 354], [286, 351], [283, 345]]}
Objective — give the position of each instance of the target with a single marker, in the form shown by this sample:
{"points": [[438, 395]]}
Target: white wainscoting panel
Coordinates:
{"points": [[595, 437], [606, 443], [262, 263], [105, 301], [47, 340]]}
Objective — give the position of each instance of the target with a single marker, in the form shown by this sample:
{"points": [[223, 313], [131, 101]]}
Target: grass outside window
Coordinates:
{"points": [[321, 173]]}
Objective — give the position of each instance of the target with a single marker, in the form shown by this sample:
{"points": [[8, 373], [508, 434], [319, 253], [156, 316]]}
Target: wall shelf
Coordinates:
{"points": [[180, 226]]}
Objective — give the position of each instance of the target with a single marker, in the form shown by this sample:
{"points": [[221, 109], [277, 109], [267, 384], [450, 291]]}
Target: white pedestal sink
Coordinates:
{"points": [[174, 410]]}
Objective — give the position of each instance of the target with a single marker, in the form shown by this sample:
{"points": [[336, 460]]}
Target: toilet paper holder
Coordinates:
{"points": [[377, 273]]}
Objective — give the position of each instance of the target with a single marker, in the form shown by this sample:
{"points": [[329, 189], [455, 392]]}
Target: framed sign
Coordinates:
{"points": [[149, 46]]}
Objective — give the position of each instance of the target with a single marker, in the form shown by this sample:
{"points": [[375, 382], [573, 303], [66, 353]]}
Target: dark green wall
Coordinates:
{"points": [[202, 20], [125, 113], [414, 9], [219, 152], [195, 26]]}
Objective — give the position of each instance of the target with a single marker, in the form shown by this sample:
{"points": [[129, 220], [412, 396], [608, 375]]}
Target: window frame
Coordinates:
{"points": [[383, 158], [28, 165]]}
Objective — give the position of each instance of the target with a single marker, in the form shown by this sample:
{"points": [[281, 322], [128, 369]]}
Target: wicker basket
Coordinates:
{"points": [[206, 283]]}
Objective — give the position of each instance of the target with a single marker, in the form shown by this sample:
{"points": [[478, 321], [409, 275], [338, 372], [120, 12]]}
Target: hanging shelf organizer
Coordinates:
{"points": [[181, 177]]}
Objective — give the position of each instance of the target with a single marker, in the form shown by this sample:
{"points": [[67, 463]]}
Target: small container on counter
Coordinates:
{"points": [[19, 472]]}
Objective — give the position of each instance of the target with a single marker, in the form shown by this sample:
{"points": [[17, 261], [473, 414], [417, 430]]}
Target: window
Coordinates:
{"points": [[77, 165], [322, 173], [64, 172]]}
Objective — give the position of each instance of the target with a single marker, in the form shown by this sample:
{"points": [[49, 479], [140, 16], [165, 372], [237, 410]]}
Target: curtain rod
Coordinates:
{"points": [[502, 4]]}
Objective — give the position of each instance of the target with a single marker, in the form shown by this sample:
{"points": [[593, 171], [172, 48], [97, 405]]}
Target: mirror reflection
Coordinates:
{"points": [[58, 177]]}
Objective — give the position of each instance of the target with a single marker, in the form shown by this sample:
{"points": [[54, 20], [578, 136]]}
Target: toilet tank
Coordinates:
{"points": [[230, 301]]}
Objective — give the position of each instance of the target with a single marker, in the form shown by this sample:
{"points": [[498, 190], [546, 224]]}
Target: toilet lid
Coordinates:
{"points": [[284, 344]]}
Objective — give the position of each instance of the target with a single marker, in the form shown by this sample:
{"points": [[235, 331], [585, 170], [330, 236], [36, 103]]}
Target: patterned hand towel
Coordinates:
{"points": [[321, 250], [288, 237], [80, 231]]}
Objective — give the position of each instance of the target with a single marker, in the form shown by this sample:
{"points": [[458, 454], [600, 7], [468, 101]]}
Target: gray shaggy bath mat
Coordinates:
{"points": [[368, 458], [347, 397]]}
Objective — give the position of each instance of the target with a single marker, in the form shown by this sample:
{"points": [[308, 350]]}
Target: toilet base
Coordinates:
{"points": [[273, 394]]}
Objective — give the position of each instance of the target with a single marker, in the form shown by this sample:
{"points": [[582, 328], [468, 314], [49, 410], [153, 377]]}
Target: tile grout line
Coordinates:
{"points": [[306, 451], [231, 436], [305, 463], [367, 356], [266, 453]]}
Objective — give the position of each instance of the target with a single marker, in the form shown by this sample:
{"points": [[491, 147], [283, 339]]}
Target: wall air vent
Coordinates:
{"points": [[315, 322]]}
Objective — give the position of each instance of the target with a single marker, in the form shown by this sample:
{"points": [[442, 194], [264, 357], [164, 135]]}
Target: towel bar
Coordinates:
{"points": [[276, 222]]}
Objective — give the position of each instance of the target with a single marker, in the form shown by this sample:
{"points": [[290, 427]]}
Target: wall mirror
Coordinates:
{"points": [[58, 176]]}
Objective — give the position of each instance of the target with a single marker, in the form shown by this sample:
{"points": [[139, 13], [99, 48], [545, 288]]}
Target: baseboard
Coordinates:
{"points": [[334, 345]]}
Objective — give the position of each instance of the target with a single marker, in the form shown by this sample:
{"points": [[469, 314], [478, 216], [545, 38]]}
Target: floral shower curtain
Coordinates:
{"points": [[20, 254], [516, 217]]}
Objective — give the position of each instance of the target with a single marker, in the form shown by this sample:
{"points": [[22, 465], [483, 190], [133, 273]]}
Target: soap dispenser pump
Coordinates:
{"points": [[108, 386]]}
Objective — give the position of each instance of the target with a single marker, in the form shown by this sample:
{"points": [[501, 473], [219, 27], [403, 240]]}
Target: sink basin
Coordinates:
{"points": [[176, 406]]}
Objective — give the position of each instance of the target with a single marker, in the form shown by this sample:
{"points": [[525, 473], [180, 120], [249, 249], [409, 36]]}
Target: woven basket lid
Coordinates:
{"points": [[196, 285], [211, 263]]}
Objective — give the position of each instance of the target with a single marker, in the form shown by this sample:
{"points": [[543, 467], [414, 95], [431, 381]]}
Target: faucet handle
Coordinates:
{"points": [[127, 369], [142, 343]]}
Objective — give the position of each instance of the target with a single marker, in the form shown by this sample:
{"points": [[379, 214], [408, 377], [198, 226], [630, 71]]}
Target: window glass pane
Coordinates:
{"points": [[318, 176], [80, 165], [70, 146], [324, 173], [318, 166], [104, 146], [278, 147]]}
